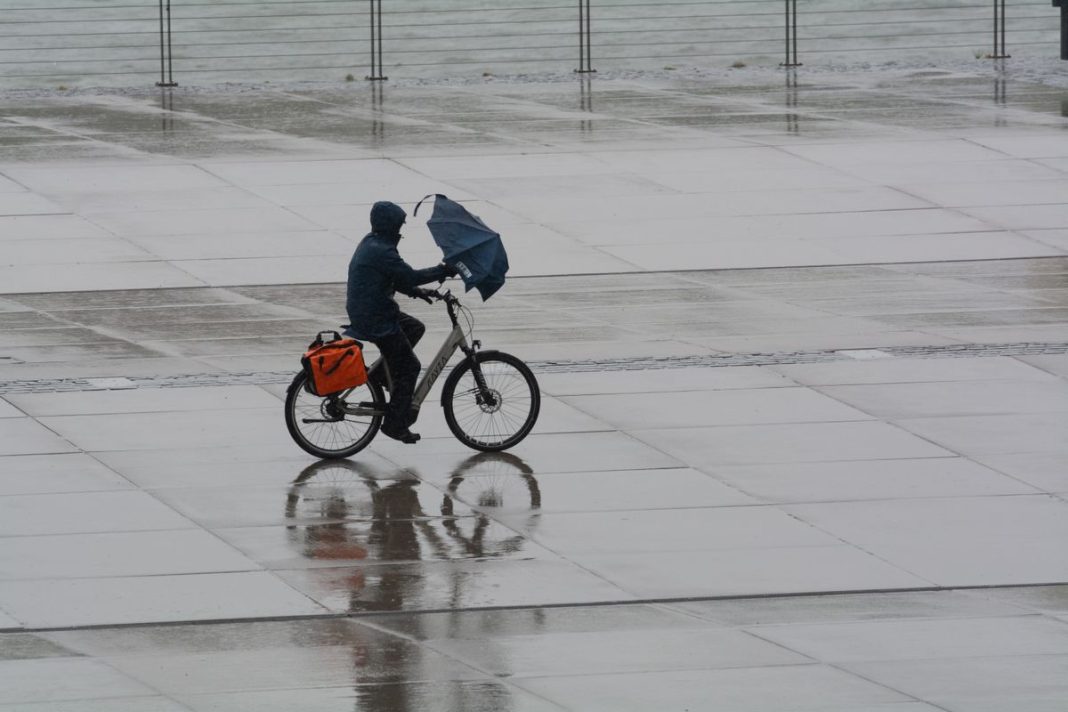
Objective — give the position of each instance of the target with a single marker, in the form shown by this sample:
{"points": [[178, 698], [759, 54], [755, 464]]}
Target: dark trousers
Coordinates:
{"points": [[403, 369]]}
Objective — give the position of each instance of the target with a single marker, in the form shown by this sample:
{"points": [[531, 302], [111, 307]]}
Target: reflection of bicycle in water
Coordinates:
{"points": [[490, 483], [363, 529], [491, 399]]}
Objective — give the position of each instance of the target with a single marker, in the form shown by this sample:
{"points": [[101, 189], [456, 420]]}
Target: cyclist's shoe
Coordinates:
{"points": [[403, 434]]}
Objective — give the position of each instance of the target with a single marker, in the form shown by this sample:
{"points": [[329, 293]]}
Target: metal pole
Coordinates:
{"points": [[166, 54], [589, 39], [791, 34], [162, 77], [999, 31], [794, 43], [380, 69], [376, 42], [170, 49], [582, 29], [585, 43]]}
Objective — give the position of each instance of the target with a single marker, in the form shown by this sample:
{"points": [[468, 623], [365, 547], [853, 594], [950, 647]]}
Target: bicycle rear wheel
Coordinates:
{"points": [[326, 427], [496, 413]]}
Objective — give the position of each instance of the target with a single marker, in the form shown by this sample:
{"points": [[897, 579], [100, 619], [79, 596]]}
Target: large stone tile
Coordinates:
{"points": [[438, 459], [747, 571], [695, 409], [995, 192], [607, 652], [848, 155], [983, 435], [868, 479], [59, 253], [146, 599], [280, 173], [511, 493], [924, 400], [49, 227], [1045, 599], [85, 512], [660, 380], [1029, 217], [116, 178], [896, 370], [675, 530], [141, 553], [923, 639], [217, 221], [364, 656], [442, 695], [299, 269], [94, 276], [229, 466], [724, 254], [955, 542], [7, 410], [53, 680], [192, 429], [847, 608], [251, 245], [963, 246], [1028, 683], [799, 442], [489, 625], [799, 688], [25, 436], [452, 585], [1043, 470], [147, 400]]}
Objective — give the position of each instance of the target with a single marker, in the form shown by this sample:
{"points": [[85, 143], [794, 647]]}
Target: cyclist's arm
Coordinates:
{"points": [[406, 279]]}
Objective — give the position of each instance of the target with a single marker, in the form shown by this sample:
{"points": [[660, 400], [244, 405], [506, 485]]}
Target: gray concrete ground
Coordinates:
{"points": [[803, 348]]}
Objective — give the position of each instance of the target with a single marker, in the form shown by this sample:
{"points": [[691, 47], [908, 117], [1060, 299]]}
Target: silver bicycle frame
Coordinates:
{"points": [[455, 340]]}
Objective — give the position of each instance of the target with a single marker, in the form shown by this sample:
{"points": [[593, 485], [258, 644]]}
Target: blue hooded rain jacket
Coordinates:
{"points": [[377, 271]]}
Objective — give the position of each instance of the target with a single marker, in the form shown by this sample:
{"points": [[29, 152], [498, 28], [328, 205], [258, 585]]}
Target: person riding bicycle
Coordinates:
{"points": [[376, 272]]}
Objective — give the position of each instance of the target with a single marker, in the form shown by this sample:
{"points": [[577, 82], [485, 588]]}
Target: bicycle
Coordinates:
{"points": [[490, 398]]}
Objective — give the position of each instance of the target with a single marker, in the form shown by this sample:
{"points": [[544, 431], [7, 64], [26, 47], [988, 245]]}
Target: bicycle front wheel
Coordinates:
{"points": [[335, 426], [491, 401]]}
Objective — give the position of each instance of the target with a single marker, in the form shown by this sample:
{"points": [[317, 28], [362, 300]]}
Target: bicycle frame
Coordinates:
{"points": [[455, 340]]}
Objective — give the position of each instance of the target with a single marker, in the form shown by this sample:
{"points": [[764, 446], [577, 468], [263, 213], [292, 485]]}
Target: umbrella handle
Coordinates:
{"points": [[432, 195]]}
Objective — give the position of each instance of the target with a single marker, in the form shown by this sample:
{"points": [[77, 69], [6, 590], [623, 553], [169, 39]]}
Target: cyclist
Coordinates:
{"points": [[376, 272]]}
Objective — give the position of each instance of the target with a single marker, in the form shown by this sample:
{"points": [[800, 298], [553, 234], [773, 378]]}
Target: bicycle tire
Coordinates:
{"points": [[332, 435], [498, 426]]}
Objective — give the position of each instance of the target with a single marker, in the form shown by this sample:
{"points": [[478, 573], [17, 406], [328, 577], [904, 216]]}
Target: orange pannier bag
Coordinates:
{"points": [[334, 365]]}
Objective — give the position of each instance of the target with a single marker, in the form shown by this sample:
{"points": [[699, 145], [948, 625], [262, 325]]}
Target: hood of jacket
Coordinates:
{"points": [[387, 218]]}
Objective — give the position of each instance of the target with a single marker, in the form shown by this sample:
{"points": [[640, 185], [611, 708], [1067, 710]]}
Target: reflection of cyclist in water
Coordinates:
{"points": [[349, 518], [339, 512]]}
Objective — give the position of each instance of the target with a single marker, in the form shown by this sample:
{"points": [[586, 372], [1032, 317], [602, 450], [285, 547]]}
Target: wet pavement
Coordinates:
{"points": [[832, 480]]}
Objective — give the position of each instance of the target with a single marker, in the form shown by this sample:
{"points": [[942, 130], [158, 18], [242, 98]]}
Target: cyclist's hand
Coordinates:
{"points": [[451, 271], [427, 295]]}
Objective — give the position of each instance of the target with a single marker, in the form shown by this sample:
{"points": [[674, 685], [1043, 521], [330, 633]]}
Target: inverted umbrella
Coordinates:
{"points": [[469, 245]]}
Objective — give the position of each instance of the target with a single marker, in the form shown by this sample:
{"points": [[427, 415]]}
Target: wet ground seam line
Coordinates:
{"points": [[481, 609], [563, 366]]}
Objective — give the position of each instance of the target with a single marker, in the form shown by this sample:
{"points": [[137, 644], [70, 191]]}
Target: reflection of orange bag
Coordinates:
{"points": [[334, 365]]}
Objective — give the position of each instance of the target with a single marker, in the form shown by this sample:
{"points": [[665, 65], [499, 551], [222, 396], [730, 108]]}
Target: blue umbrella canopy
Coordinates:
{"points": [[469, 245]]}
